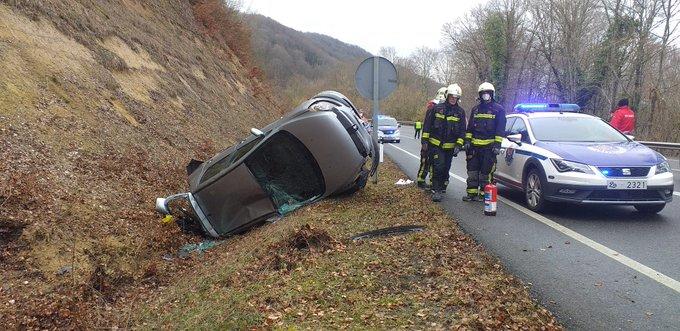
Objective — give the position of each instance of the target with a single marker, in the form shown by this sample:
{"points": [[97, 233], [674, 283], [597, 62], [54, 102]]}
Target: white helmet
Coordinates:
{"points": [[486, 87], [441, 94], [454, 90]]}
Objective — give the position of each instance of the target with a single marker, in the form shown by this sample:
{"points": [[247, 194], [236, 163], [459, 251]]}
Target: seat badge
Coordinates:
{"points": [[626, 171], [509, 155]]}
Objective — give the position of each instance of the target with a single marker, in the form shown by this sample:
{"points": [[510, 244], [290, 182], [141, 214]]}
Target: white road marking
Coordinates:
{"points": [[637, 266]]}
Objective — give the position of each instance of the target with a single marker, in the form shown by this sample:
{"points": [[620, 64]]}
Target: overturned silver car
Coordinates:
{"points": [[318, 150]]}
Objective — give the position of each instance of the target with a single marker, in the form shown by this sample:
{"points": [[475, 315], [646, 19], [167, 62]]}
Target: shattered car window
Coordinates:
{"points": [[286, 169], [225, 162]]}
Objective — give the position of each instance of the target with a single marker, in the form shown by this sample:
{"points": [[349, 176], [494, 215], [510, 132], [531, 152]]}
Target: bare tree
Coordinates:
{"points": [[389, 53], [424, 60], [669, 8]]}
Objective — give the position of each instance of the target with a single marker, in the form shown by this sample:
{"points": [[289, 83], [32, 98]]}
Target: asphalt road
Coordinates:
{"points": [[595, 268]]}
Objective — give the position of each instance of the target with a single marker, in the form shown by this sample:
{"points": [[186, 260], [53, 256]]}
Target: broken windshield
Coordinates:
{"points": [[287, 171]]}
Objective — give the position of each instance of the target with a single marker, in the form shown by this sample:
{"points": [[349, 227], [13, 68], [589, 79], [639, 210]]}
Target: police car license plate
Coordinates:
{"points": [[627, 184]]}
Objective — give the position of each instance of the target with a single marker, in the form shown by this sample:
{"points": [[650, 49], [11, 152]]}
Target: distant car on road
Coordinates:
{"points": [[388, 129], [318, 150], [554, 153]]}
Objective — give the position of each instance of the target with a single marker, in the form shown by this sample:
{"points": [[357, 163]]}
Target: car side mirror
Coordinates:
{"points": [[256, 132], [399, 125], [516, 138], [630, 137]]}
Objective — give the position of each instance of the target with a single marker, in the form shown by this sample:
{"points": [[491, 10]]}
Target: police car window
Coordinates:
{"points": [[574, 129], [520, 127], [508, 124], [387, 121]]}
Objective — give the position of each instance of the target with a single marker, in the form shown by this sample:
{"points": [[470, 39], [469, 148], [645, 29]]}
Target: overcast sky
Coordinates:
{"points": [[368, 24]]}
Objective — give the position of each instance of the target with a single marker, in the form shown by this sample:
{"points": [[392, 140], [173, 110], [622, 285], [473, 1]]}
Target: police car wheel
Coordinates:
{"points": [[533, 190], [650, 209]]}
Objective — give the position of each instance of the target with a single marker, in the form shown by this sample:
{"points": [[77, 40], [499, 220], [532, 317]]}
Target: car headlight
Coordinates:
{"points": [[397, 132], [566, 166], [663, 167]]}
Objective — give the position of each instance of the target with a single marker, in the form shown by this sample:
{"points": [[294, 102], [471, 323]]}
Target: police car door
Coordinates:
{"points": [[517, 155], [501, 167]]}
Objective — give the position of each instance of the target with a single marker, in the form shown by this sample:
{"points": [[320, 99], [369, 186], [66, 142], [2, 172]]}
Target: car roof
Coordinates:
{"points": [[552, 114]]}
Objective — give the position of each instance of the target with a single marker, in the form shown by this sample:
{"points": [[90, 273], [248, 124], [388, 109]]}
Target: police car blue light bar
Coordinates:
{"points": [[547, 107]]}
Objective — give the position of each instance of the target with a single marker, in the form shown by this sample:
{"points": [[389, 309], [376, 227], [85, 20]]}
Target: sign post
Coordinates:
{"points": [[376, 78]]}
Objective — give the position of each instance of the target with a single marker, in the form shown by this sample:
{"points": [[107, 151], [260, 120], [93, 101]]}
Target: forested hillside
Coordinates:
{"points": [[285, 53], [301, 64]]}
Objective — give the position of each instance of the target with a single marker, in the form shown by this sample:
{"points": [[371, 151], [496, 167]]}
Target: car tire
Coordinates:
{"points": [[534, 187], [650, 209], [398, 141]]}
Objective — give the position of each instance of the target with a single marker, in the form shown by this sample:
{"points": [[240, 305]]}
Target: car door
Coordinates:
{"points": [[516, 155], [501, 167]]}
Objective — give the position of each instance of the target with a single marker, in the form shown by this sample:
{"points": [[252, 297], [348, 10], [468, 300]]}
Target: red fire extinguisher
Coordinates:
{"points": [[490, 198]]}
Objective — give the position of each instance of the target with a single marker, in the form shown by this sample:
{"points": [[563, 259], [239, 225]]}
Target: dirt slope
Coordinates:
{"points": [[102, 103]]}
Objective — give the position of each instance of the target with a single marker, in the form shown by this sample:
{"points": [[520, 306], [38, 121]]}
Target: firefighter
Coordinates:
{"points": [[446, 127], [485, 131], [418, 125], [425, 164], [623, 118]]}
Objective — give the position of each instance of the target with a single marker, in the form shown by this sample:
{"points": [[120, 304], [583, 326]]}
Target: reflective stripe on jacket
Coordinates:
{"points": [[444, 126]]}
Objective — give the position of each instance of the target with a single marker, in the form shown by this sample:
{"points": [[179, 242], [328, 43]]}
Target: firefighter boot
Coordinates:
{"points": [[424, 186], [469, 197], [437, 196]]}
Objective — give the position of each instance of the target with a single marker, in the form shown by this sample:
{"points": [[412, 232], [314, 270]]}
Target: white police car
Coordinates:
{"points": [[554, 153], [388, 129]]}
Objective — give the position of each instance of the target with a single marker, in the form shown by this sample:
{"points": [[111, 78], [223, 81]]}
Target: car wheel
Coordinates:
{"points": [[398, 141], [650, 209], [534, 189]]}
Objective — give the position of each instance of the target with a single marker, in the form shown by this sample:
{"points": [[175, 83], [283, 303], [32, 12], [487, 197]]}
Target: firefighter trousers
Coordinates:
{"points": [[441, 160], [417, 133], [481, 164], [425, 166]]}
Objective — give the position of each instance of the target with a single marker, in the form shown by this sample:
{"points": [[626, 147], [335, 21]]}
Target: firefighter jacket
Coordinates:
{"points": [[486, 127], [444, 126]]}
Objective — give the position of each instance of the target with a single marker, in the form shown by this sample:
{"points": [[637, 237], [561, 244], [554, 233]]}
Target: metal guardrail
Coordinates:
{"points": [[651, 144], [659, 144]]}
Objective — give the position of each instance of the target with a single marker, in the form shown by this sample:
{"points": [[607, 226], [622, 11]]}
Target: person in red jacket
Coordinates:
{"points": [[623, 118]]}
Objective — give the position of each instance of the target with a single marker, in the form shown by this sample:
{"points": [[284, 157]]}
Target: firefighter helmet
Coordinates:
{"points": [[486, 87], [454, 90], [441, 94]]}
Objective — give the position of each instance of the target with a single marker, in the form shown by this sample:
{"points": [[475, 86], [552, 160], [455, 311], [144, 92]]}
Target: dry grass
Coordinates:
{"points": [[102, 103], [224, 24]]}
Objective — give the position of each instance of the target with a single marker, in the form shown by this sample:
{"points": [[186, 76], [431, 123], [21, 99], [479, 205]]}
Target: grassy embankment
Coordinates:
{"points": [[304, 271]]}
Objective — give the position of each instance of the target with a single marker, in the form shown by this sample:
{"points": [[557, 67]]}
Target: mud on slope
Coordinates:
{"points": [[102, 103]]}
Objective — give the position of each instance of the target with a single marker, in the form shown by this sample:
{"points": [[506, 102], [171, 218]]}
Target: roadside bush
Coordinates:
{"points": [[222, 22]]}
